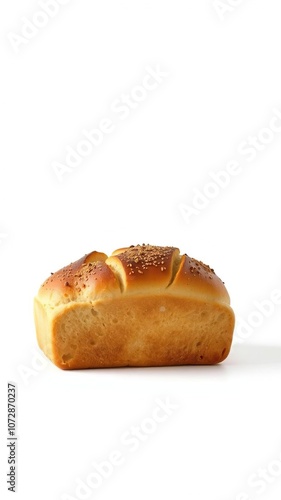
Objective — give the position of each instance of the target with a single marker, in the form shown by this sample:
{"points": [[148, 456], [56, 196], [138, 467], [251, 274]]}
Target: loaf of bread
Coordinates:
{"points": [[142, 306]]}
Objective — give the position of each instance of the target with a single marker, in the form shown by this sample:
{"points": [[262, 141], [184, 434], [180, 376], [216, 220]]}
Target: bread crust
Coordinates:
{"points": [[142, 306]]}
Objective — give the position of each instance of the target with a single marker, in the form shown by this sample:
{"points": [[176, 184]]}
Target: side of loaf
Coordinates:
{"points": [[142, 306]]}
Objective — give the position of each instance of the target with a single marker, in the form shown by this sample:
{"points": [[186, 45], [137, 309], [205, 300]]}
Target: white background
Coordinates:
{"points": [[221, 88]]}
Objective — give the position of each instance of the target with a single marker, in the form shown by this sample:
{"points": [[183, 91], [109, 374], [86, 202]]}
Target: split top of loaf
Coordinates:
{"points": [[135, 270]]}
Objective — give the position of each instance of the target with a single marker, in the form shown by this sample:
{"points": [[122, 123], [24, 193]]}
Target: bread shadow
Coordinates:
{"points": [[242, 354]]}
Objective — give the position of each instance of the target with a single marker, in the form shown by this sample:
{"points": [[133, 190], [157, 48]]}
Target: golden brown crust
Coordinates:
{"points": [[142, 306], [144, 267], [197, 278], [85, 279]]}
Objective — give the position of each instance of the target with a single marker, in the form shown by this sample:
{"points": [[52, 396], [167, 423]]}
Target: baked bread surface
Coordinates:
{"points": [[142, 306]]}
